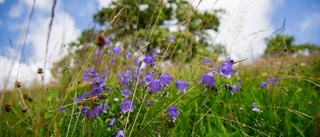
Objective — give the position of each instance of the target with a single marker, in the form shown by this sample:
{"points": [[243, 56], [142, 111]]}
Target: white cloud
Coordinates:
{"points": [[310, 22], [63, 31], [103, 3], [2, 1], [244, 26], [43, 5], [16, 10]]}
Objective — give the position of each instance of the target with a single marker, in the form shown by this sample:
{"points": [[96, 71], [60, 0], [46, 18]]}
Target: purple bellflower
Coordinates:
{"points": [[91, 75], [120, 133], [263, 84], [182, 85], [112, 122], [137, 63], [208, 79], [129, 55], [148, 103], [117, 51], [125, 92], [149, 77], [107, 42], [173, 112], [125, 106], [102, 108], [255, 108], [62, 110], [149, 60], [171, 38], [155, 86], [207, 61], [226, 68], [273, 80], [83, 96], [235, 88], [165, 80]]}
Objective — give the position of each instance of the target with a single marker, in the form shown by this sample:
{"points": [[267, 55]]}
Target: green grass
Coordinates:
{"points": [[290, 108]]}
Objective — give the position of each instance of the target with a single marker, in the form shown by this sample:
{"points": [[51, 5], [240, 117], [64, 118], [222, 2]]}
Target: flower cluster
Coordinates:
{"points": [[95, 112], [226, 68]]}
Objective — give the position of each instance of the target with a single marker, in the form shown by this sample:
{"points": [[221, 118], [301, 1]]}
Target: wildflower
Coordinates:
{"points": [[117, 51], [91, 75], [62, 110], [229, 60], [207, 61], [273, 80], [112, 122], [98, 86], [129, 55], [125, 78], [263, 84], [126, 106], [129, 68], [156, 133], [255, 108], [173, 112], [125, 92], [155, 86], [83, 96], [216, 68], [182, 85], [171, 38], [137, 63], [99, 53], [137, 73], [149, 77], [154, 52], [107, 42], [120, 133], [148, 103], [102, 108], [208, 79], [226, 68], [85, 110], [113, 60], [149, 60], [234, 89], [165, 80]]}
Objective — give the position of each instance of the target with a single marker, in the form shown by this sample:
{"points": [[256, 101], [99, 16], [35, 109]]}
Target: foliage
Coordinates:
{"points": [[281, 44]]}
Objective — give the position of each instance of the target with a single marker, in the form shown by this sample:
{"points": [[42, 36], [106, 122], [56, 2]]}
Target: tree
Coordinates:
{"points": [[131, 24], [284, 43]]}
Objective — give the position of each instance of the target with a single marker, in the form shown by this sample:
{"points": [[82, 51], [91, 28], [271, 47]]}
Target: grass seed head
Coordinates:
{"points": [[18, 84], [100, 40], [103, 96], [7, 107], [40, 70], [24, 110]]}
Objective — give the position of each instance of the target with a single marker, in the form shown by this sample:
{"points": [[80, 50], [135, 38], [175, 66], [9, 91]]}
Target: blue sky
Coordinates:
{"points": [[242, 19], [302, 19]]}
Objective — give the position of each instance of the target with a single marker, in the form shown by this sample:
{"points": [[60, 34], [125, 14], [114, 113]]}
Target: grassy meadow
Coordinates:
{"points": [[112, 91], [289, 108]]}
